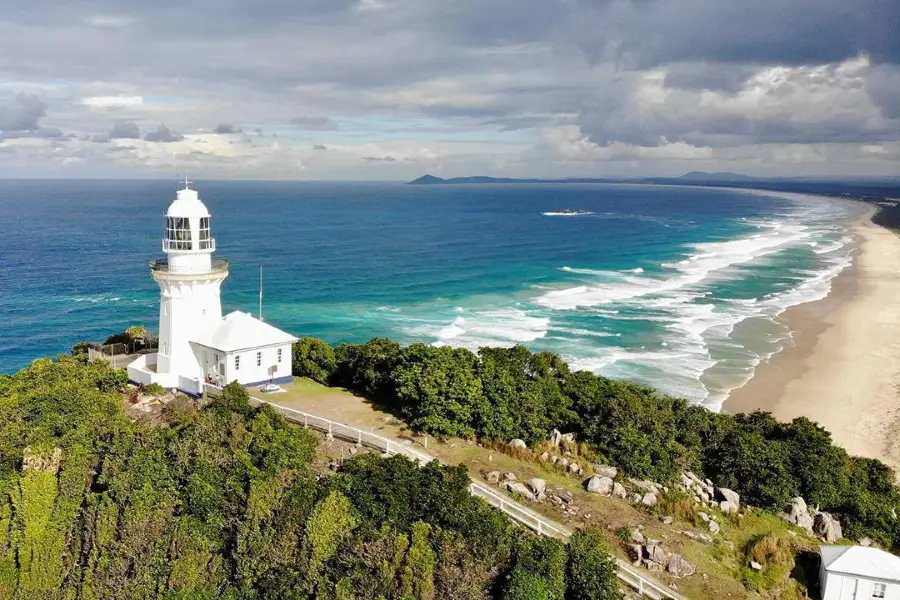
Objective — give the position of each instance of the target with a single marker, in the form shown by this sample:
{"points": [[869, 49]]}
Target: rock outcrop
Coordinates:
{"points": [[600, 485], [516, 487], [605, 471], [730, 496], [798, 514], [518, 444], [537, 486], [827, 527]]}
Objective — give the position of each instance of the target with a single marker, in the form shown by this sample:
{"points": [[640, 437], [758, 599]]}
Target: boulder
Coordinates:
{"points": [[493, 477], [798, 514], [865, 542], [564, 496], [555, 437], [652, 566], [698, 536], [538, 486], [636, 498], [605, 471], [637, 537], [649, 499], [827, 527], [679, 567], [563, 462], [657, 554], [728, 507], [667, 520], [568, 438], [599, 485], [755, 565], [521, 489], [703, 516], [635, 553], [714, 527], [517, 443], [545, 457], [619, 490], [575, 468], [509, 477], [729, 495], [646, 486]]}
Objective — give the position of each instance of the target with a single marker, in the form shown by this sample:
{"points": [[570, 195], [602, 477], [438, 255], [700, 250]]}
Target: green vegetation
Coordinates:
{"points": [[154, 389], [500, 394], [223, 502]]}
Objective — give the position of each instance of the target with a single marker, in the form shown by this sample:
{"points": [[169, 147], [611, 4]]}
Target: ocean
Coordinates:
{"points": [[676, 287]]}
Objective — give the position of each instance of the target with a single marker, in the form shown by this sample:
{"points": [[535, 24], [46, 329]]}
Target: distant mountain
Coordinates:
{"points": [[693, 177], [723, 176], [427, 180]]}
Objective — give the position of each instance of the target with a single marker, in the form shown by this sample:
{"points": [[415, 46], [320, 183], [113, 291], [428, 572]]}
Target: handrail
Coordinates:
{"points": [[519, 513]]}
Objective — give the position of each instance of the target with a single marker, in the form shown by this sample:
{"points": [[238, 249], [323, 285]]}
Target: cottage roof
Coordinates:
{"points": [[240, 331], [860, 560]]}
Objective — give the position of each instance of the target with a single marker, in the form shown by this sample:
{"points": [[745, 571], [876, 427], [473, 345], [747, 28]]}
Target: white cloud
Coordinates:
{"points": [[112, 101], [109, 21]]}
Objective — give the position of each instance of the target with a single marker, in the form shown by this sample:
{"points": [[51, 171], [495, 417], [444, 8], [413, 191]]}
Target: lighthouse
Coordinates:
{"points": [[197, 345]]}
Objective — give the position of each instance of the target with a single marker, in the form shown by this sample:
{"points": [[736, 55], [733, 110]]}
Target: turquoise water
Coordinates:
{"points": [[673, 286]]}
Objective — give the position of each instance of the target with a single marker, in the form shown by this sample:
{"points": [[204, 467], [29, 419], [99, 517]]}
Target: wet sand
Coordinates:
{"points": [[842, 366]]}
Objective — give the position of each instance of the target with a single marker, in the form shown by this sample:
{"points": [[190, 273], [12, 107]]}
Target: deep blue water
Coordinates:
{"points": [[673, 286]]}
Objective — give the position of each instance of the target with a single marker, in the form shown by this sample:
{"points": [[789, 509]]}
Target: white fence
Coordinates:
{"points": [[627, 575]]}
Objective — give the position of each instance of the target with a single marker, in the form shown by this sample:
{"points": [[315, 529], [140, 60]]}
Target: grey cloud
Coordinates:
{"points": [[50, 133], [163, 134], [24, 115], [99, 139], [315, 123], [227, 128], [884, 88], [380, 158], [320, 147], [125, 130], [708, 76]]}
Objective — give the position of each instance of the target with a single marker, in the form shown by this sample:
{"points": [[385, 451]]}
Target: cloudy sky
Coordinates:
{"points": [[392, 89]]}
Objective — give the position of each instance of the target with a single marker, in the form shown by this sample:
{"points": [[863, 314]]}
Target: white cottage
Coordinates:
{"points": [[858, 573], [197, 345]]}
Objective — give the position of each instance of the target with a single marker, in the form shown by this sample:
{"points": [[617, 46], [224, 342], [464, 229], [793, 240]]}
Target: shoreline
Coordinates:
{"points": [[841, 367]]}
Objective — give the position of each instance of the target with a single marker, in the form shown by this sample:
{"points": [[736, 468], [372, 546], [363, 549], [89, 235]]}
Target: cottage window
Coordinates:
{"points": [[237, 363], [279, 355], [878, 590], [259, 359]]}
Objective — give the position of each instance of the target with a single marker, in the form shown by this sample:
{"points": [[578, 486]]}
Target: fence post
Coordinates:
{"points": [[305, 421], [539, 528]]}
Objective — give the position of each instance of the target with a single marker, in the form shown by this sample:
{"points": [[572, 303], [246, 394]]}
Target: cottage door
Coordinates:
{"points": [[849, 588]]}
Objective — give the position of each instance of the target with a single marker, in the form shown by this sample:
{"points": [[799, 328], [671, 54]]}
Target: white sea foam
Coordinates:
{"points": [[705, 260], [578, 213]]}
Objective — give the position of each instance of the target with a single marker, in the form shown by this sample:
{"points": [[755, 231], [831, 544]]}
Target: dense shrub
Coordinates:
{"points": [[505, 393], [223, 503], [313, 358], [591, 573]]}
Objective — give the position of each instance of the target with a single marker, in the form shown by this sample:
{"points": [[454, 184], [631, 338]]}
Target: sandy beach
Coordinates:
{"points": [[842, 368]]}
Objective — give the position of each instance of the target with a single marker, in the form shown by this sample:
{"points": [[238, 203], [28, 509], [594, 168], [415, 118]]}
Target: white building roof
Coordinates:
{"points": [[240, 331], [187, 203], [862, 561]]}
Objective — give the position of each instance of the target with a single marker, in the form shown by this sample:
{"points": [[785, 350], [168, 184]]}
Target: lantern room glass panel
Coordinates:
{"points": [[178, 233]]}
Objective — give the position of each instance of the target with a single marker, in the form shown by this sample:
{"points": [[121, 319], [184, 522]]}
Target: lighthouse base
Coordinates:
{"points": [[142, 371]]}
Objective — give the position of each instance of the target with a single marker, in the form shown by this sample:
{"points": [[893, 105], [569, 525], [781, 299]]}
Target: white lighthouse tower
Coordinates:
{"points": [[196, 344], [189, 282]]}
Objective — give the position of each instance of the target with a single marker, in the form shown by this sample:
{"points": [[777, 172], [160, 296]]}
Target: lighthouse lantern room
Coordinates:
{"points": [[197, 346]]}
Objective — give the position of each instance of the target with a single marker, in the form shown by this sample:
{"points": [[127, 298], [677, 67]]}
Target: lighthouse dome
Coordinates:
{"points": [[187, 204]]}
